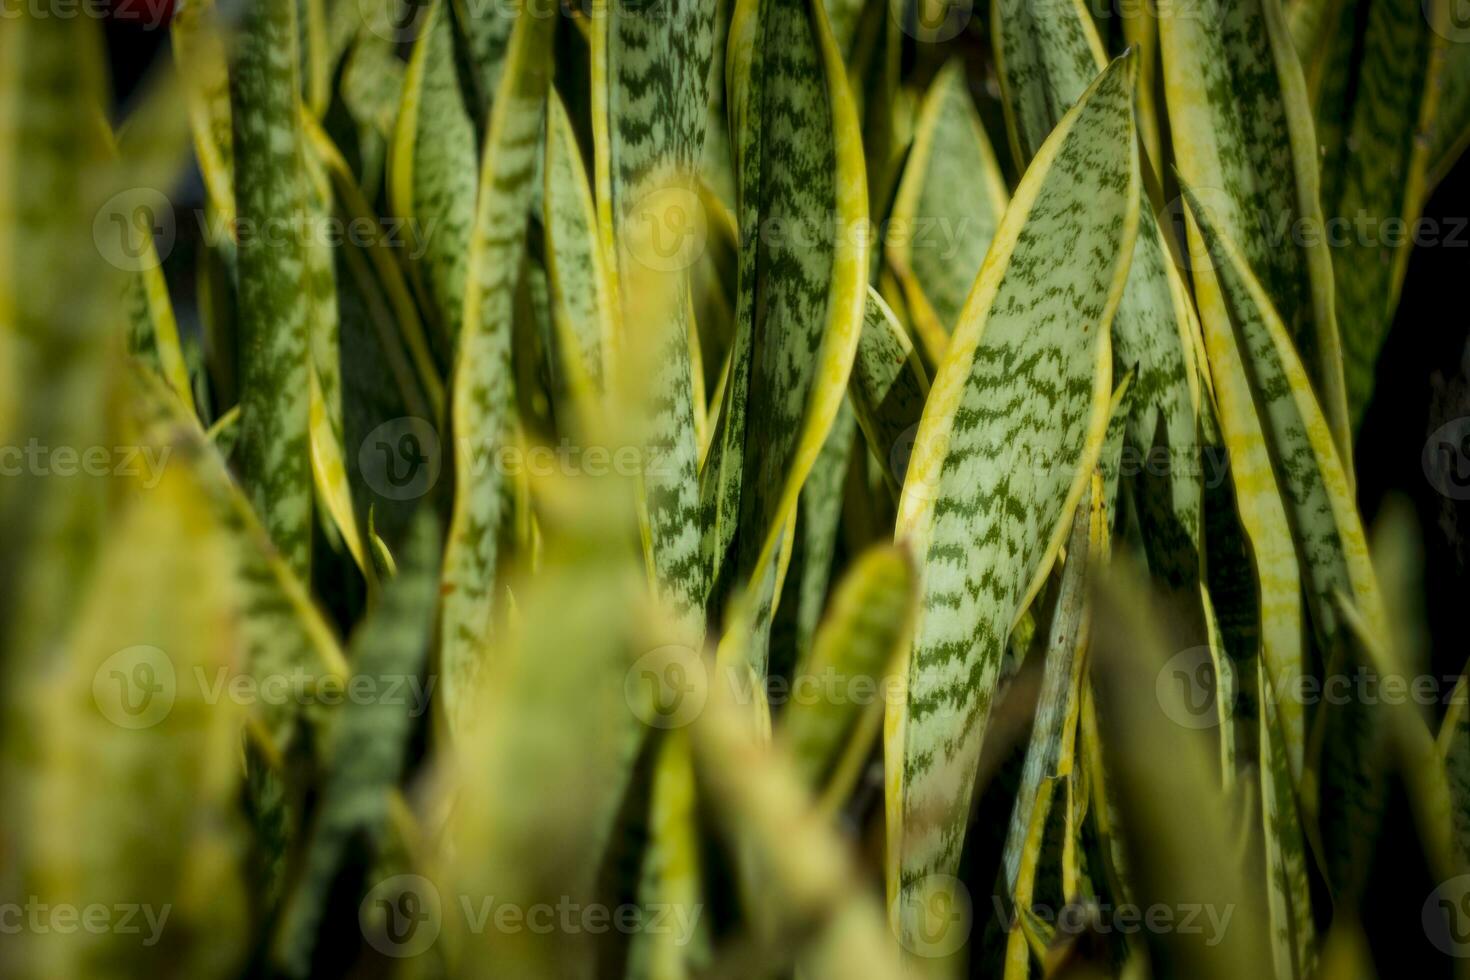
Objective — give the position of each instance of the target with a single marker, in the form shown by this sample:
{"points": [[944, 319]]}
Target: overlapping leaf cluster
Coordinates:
{"points": [[710, 480]]}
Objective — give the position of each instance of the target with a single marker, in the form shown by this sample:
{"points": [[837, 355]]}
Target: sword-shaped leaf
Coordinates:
{"points": [[1270, 379], [371, 90], [812, 898], [888, 388], [401, 331], [60, 332], [1111, 460], [802, 273], [125, 715], [1053, 732], [1008, 440], [562, 713], [432, 173], [949, 202], [1153, 766], [650, 77], [327, 430], [199, 51], [486, 30], [581, 312], [829, 727], [1262, 508], [1451, 131], [844, 16], [282, 633], [1288, 892], [481, 400], [1374, 189], [275, 283], [368, 737], [1048, 56], [1416, 757], [1454, 745], [154, 334], [1243, 134], [814, 545]]}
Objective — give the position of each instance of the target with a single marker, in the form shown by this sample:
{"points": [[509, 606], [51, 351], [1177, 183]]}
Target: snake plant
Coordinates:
{"points": [[694, 488]]}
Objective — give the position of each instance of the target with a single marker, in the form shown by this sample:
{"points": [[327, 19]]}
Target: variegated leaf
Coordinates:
{"points": [[650, 77], [481, 399], [126, 712], [949, 203], [1243, 137], [1048, 56], [61, 329], [1262, 510], [802, 274], [154, 337], [814, 544], [1049, 753], [888, 388], [1376, 179], [1451, 132], [1153, 765], [283, 634], [813, 899], [328, 462], [1257, 361], [368, 737], [199, 50], [432, 175], [829, 728], [1288, 891], [581, 311], [1009, 436], [486, 29], [275, 283], [573, 654]]}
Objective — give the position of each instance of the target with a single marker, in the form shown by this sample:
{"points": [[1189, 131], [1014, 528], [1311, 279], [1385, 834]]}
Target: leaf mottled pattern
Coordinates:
{"points": [[1009, 436], [481, 400], [274, 280]]}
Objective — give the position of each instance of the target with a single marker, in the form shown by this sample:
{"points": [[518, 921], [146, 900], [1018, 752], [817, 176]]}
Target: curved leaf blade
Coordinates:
{"points": [[1242, 129], [1008, 439], [481, 401], [949, 203]]}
